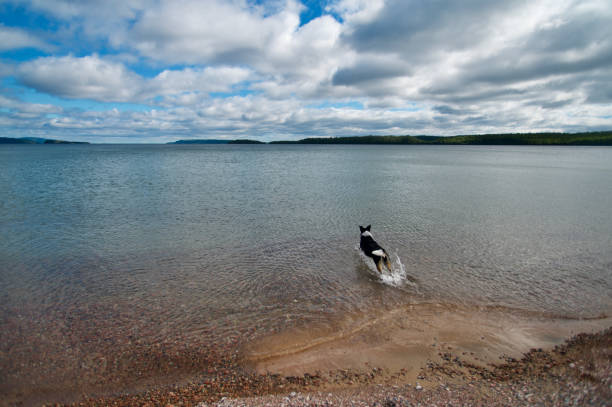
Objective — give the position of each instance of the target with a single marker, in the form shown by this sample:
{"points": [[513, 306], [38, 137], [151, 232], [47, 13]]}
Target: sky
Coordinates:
{"points": [[140, 71]]}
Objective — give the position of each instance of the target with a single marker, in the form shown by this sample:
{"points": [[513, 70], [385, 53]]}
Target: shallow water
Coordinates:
{"points": [[108, 248]]}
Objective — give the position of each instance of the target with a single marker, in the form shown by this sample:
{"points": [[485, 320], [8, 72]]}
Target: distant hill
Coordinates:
{"points": [[428, 139], [51, 141], [217, 141], [601, 138], [36, 140], [202, 141], [245, 141], [7, 140], [355, 140]]}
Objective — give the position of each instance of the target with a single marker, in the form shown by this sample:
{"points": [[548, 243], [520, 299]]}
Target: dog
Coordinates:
{"points": [[372, 249]]}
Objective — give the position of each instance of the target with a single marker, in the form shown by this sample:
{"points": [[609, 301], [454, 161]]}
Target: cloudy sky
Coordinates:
{"points": [[162, 70]]}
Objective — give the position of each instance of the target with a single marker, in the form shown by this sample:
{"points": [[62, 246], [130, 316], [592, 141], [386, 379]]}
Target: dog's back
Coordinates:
{"points": [[367, 242]]}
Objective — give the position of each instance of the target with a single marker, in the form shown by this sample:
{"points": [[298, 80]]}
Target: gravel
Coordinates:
{"points": [[577, 373]]}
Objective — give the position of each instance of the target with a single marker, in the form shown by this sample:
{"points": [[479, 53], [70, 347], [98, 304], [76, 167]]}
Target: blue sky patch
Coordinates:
{"points": [[337, 105]]}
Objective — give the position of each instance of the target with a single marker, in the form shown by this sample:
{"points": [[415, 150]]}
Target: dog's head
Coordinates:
{"points": [[365, 231]]}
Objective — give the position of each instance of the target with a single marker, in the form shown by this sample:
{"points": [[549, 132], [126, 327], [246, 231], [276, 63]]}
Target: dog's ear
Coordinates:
{"points": [[368, 227], [361, 229]]}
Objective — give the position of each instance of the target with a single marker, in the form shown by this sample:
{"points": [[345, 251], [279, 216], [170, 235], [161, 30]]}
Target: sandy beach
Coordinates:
{"points": [[425, 354]]}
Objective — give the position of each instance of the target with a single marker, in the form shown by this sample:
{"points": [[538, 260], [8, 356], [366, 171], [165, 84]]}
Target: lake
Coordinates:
{"points": [[110, 253]]}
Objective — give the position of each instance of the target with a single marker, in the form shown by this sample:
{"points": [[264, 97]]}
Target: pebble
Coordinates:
{"points": [[577, 390]]}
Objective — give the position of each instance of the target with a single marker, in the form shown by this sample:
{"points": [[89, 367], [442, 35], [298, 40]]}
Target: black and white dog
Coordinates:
{"points": [[372, 249]]}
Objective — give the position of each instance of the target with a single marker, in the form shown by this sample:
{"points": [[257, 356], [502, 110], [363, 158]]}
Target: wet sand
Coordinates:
{"points": [[578, 373], [415, 355], [408, 337]]}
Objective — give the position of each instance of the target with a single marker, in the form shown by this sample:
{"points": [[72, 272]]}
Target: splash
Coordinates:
{"points": [[397, 277]]}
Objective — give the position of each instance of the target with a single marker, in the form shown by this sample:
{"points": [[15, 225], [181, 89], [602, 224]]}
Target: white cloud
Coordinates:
{"points": [[357, 11], [235, 33], [14, 38], [90, 18], [193, 81], [89, 77], [95, 78], [190, 31]]}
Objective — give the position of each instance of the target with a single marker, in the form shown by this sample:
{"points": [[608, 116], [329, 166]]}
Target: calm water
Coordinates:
{"points": [[109, 250]]}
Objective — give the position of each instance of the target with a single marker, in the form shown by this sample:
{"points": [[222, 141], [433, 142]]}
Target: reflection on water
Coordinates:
{"points": [[108, 252]]}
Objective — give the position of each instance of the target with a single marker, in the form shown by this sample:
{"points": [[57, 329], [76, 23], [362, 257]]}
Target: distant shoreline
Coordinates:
{"points": [[36, 140], [597, 138], [600, 138]]}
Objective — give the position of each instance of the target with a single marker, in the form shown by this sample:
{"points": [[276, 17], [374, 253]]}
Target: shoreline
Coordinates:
{"points": [[409, 336], [576, 373], [459, 367]]}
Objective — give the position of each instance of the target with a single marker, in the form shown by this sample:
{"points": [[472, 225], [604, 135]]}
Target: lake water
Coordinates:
{"points": [[109, 251]]}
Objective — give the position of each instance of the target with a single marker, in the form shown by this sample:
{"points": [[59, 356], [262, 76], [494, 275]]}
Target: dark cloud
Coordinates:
{"points": [[457, 93], [448, 110], [415, 28], [576, 32], [367, 72], [564, 50], [600, 93], [546, 104], [498, 72], [505, 69]]}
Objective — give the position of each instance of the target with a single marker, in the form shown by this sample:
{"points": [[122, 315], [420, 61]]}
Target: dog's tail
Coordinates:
{"points": [[381, 256]]}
